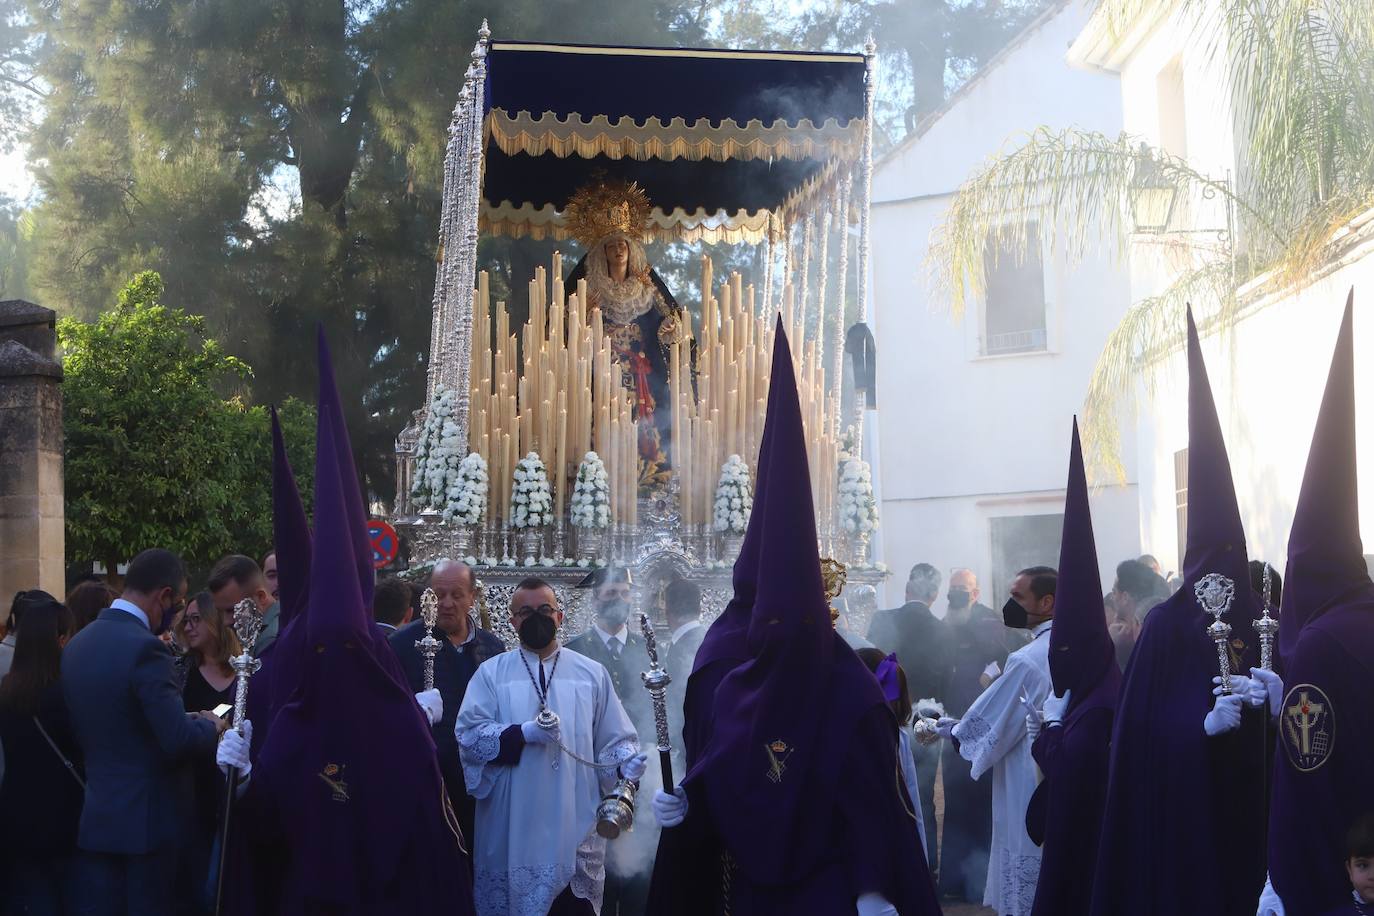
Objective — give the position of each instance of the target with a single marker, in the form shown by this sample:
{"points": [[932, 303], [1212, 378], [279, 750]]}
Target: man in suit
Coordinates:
{"points": [[127, 715], [611, 641], [682, 602], [462, 647], [918, 638]]}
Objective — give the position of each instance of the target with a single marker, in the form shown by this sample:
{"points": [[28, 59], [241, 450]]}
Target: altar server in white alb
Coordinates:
{"points": [[994, 735], [536, 850]]}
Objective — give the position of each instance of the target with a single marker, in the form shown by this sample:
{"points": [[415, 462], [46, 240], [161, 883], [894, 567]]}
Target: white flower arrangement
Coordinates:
{"points": [[591, 499], [531, 501], [734, 498], [467, 497], [858, 508], [438, 453]]}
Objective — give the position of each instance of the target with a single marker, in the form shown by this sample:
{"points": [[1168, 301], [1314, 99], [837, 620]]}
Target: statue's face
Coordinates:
{"points": [[617, 253]]}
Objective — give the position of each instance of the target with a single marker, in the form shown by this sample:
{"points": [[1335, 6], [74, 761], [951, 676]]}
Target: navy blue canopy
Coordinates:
{"points": [[719, 140]]}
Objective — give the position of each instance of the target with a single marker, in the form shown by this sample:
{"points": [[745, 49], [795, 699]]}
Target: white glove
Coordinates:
{"points": [[1269, 902], [432, 704], [233, 750], [875, 904], [993, 671], [944, 727], [1225, 715], [634, 767], [1243, 687], [1056, 706], [1269, 686], [1032, 725], [536, 735], [670, 810]]}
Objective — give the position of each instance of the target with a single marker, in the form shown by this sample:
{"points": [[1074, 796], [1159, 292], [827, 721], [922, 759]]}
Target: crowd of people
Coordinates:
{"points": [[1038, 760]]}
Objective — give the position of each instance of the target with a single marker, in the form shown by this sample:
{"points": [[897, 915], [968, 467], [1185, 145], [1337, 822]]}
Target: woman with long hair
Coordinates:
{"points": [[87, 600], [41, 796], [207, 681], [892, 678]]}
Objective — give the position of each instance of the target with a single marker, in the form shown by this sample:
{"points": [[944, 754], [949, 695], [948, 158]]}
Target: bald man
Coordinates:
{"points": [[463, 646]]}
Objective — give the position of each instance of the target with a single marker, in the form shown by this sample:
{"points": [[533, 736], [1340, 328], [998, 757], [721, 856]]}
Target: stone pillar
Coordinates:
{"points": [[31, 509]]}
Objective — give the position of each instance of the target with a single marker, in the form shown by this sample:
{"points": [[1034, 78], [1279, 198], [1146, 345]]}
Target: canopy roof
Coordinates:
{"points": [[719, 140]]}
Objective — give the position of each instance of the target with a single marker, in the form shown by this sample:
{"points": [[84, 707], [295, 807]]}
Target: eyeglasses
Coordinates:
{"points": [[192, 620], [546, 610]]}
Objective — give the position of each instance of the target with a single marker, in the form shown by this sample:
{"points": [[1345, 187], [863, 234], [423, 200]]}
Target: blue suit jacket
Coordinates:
{"points": [[127, 715]]}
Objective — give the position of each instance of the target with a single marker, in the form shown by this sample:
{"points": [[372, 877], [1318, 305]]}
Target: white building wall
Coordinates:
{"points": [[966, 438]]}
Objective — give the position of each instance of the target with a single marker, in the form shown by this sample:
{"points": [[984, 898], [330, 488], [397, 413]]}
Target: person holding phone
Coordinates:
{"points": [[208, 683]]}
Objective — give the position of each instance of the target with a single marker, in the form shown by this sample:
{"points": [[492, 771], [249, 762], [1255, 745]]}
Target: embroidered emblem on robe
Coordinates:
{"points": [[1309, 727], [778, 752]]}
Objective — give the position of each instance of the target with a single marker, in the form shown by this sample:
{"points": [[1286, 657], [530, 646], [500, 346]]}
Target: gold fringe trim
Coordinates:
{"points": [[525, 220], [626, 138]]}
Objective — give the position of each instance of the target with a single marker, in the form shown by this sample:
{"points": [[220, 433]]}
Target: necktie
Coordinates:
{"points": [[614, 646]]}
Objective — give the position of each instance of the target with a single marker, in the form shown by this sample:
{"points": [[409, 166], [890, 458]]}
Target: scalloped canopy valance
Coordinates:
{"points": [[720, 140]]}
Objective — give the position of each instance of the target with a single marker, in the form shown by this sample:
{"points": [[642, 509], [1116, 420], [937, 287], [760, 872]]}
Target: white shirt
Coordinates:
{"points": [[992, 736], [683, 630], [536, 821], [129, 607], [619, 637]]}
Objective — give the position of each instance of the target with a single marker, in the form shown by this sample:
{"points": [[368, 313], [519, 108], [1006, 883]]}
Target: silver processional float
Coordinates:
{"points": [[619, 423]]}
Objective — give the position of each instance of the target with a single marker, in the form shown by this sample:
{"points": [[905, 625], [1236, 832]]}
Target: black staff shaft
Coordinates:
{"points": [[665, 762], [231, 790]]}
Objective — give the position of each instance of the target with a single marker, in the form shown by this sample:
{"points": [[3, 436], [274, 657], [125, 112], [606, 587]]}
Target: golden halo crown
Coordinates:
{"points": [[607, 207]]}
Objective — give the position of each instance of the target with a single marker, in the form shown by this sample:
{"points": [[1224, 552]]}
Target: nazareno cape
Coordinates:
{"points": [[326, 824], [1326, 640], [1065, 813], [796, 804], [1183, 830]]}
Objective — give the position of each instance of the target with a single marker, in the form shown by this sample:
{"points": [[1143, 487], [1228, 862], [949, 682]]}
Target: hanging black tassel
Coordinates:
{"points": [[863, 354]]}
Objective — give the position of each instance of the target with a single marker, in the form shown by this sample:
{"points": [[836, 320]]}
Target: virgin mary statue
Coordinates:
{"points": [[641, 318]]}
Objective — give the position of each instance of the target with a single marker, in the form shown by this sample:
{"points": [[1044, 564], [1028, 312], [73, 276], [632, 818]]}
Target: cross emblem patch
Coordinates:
{"points": [[1309, 727]]}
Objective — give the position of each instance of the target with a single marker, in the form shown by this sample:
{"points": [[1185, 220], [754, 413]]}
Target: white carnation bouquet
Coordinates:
{"points": [[467, 498], [734, 498], [438, 453], [591, 498], [858, 508], [531, 503]]}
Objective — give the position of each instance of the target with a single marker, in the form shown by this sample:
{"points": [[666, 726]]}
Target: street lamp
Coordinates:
{"points": [[1152, 194]]}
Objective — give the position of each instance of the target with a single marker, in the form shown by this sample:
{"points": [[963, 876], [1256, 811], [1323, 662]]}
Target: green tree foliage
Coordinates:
{"points": [[278, 163], [155, 455]]}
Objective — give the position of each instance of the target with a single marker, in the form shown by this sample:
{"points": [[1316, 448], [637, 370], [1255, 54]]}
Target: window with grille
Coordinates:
{"points": [[1181, 502], [1014, 310]]}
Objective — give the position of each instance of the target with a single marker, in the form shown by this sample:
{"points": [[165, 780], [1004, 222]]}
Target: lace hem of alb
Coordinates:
{"points": [[529, 890], [1019, 877]]}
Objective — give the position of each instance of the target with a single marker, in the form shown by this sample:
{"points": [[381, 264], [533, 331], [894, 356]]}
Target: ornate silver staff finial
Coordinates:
{"points": [[1266, 626], [248, 625], [427, 644], [656, 681], [1214, 593]]}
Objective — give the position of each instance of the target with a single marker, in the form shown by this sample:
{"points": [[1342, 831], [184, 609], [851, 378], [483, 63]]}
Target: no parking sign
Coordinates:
{"points": [[385, 543]]}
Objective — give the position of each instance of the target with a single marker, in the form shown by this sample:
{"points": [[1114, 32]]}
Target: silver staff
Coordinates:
{"points": [[247, 624], [1214, 593], [656, 681], [1266, 626], [428, 645]]}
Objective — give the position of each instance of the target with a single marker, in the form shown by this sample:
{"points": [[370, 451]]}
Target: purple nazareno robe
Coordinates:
{"points": [[1184, 821], [1074, 755], [1326, 639], [796, 802]]}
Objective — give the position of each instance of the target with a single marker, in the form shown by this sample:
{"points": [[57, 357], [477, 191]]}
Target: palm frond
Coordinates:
{"points": [[1150, 329]]}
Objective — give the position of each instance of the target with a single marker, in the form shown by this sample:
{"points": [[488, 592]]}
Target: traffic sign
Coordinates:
{"points": [[385, 543]]}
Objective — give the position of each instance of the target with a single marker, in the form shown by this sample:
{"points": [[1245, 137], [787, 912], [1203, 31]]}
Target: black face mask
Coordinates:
{"points": [[537, 631], [1014, 615], [958, 599], [615, 612]]}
